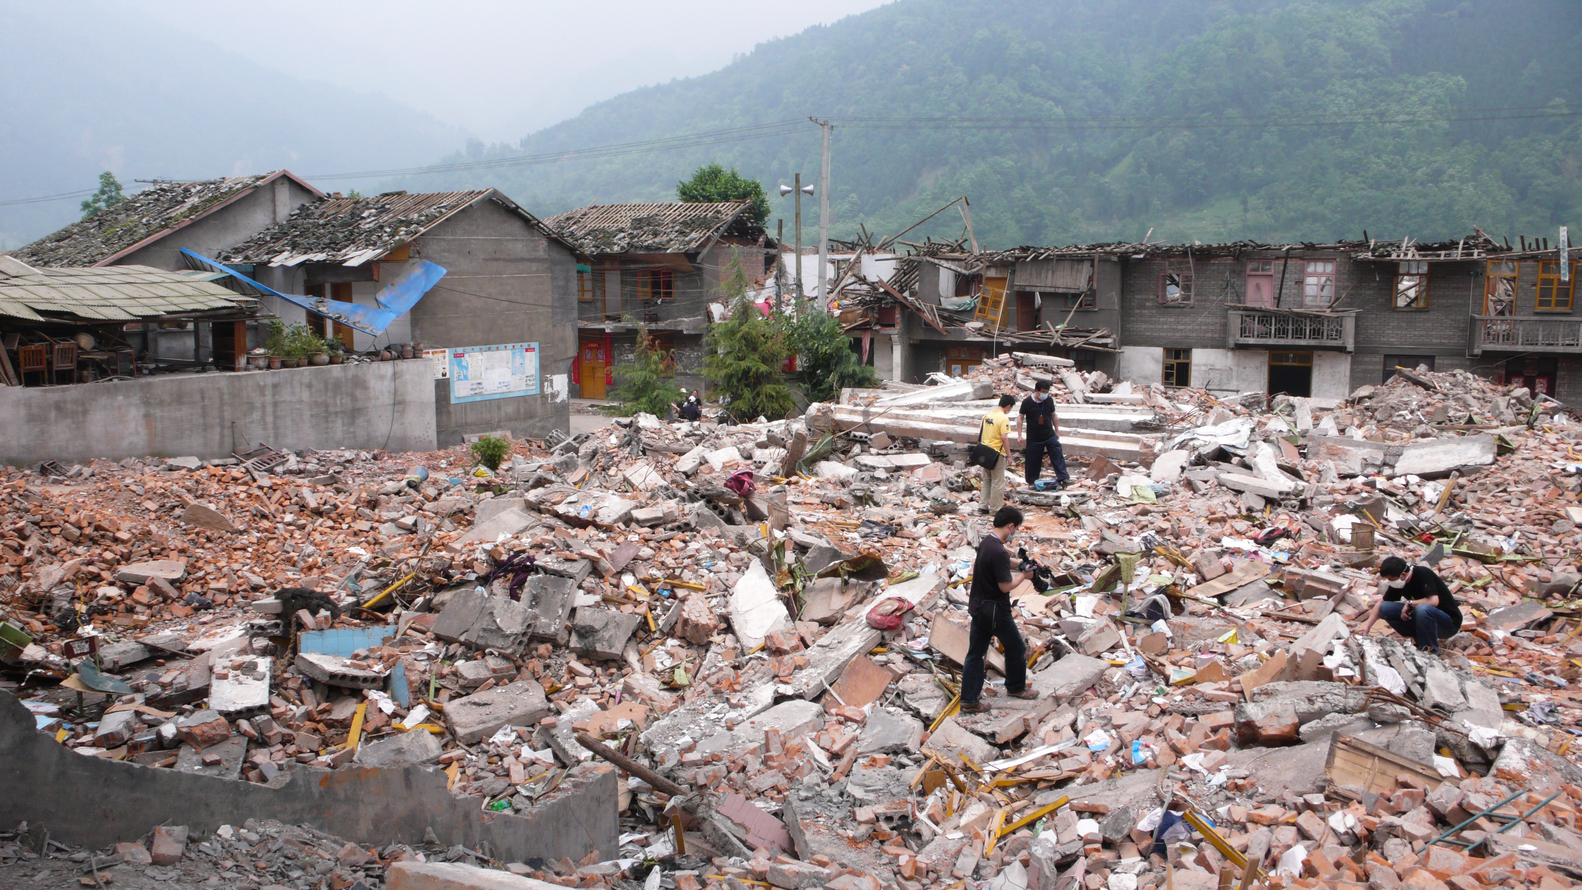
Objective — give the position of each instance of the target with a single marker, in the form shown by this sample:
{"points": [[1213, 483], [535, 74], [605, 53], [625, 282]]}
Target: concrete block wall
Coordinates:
{"points": [[383, 405], [1196, 325], [507, 283]]}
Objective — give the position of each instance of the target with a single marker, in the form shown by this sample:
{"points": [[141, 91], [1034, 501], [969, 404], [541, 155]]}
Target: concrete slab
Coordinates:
{"points": [[456, 876], [171, 570], [115, 656], [338, 670], [602, 633], [417, 746], [1068, 677], [478, 716], [1440, 457], [950, 638], [504, 524], [486, 622], [755, 608], [236, 690], [493, 507], [951, 737], [852, 637], [793, 719], [890, 731], [220, 761], [551, 597]]}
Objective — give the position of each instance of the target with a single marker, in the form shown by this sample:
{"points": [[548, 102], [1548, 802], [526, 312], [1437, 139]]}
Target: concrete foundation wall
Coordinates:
{"points": [[1331, 375], [383, 405], [1231, 370], [92, 802]]}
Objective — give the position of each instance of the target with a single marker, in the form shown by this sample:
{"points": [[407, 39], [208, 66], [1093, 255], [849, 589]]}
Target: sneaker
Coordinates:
{"points": [[974, 707], [1024, 695]]}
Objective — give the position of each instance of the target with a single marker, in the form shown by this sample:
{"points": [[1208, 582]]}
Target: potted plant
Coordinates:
{"points": [[275, 342], [336, 350], [302, 344]]}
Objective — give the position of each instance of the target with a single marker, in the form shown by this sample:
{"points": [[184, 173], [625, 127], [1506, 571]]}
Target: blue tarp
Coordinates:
{"points": [[393, 302]]}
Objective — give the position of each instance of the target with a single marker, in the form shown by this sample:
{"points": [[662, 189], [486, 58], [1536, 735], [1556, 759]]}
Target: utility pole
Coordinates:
{"points": [[780, 265], [798, 276], [823, 211]]}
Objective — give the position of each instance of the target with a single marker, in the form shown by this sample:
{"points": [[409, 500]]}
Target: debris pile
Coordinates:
{"points": [[762, 627]]}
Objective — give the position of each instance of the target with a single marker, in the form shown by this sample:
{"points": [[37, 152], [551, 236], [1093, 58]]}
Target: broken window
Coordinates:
{"points": [[1411, 285], [1554, 294], [1499, 288], [1178, 367], [656, 286], [1175, 285], [1318, 284], [1260, 283]]}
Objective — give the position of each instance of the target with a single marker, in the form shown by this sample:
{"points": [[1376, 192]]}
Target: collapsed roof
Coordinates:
{"points": [[353, 231], [141, 218], [654, 228]]}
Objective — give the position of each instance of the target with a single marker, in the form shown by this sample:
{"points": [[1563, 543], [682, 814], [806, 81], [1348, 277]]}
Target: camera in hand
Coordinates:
{"points": [[1042, 574]]}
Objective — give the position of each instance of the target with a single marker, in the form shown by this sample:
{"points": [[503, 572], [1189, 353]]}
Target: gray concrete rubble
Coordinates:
{"points": [[748, 639]]}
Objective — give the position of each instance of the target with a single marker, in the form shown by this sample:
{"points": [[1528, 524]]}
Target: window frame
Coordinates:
{"points": [[656, 286], [1552, 281], [1490, 284], [1311, 295], [1402, 273], [1174, 363], [584, 285], [1183, 272], [1262, 275]]}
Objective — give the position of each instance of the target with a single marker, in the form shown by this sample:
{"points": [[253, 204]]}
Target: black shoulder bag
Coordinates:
{"points": [[982, 455]]}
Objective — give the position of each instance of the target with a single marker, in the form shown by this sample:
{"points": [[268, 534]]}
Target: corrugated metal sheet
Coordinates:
{"points": [[649, 228], [113, 293], [350, 231]]}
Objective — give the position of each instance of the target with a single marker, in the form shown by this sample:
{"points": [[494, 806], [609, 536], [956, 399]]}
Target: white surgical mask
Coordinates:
{"points": [[1040, 396], [1398, 583]]}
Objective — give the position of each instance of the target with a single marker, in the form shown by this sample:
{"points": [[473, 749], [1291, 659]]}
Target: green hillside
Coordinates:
{"points": [[1094, 120]]}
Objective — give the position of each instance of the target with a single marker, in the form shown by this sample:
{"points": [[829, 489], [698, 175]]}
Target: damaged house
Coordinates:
{"points": [[149, 228], [1305, 319], [470, 277], [659, 266]]}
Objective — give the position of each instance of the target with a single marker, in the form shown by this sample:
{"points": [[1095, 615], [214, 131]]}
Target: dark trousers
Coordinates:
{"points": [[1427, 626], [1035, 459], [991, 619]]}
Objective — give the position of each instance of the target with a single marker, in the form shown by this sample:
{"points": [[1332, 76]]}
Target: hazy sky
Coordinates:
{"points": [[499, 69]]}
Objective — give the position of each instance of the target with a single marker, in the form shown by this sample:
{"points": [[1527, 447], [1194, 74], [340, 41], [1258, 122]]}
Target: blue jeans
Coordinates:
{"points": [[991, 619], [1035, 459], [1427, 625]]}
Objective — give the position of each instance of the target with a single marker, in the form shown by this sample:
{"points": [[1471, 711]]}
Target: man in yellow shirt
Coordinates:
{"points": [[996, 424]]}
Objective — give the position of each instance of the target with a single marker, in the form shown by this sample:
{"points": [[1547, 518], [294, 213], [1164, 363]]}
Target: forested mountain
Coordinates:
{"points": [[1090, 120], [85, 88]]}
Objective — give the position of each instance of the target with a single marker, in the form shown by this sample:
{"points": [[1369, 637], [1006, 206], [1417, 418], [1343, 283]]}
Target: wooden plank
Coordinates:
{"points": [[1246, 573], [6, 372], [1354, 765]]}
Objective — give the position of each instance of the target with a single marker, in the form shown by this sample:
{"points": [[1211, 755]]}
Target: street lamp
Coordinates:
{"points": [[799, 189]]}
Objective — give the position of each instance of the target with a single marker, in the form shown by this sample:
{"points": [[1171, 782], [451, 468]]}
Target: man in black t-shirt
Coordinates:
{"points": [[989, 604], [1043, 435], [1416, 602]]}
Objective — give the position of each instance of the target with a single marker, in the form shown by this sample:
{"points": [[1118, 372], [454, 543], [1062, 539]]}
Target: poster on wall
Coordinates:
{"points": [[493, 372], [440, 359]]}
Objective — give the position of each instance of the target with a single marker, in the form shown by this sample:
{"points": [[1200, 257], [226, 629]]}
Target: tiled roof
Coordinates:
{"points": [[110, 293], [353, 231], [141, 217], [652, 228]]}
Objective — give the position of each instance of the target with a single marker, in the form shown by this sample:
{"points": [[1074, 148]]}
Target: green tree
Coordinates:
{"points": [[108, 195], [644, 384], [712, 182], [747, 353], [824, 355]]}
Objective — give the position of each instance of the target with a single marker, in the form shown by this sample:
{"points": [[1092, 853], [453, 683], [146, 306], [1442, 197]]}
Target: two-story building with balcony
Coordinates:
{"points": [[655, 267]]}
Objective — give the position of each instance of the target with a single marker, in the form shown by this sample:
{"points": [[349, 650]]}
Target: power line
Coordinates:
{"points": [[65, 196]]}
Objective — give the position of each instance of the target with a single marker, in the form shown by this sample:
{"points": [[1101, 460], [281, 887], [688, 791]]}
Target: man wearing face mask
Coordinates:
{"points": [[1416, 602], [1043, 435], [989, 604]]}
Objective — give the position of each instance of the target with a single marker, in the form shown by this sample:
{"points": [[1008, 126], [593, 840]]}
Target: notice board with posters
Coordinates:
{"points": [[478, 373]]}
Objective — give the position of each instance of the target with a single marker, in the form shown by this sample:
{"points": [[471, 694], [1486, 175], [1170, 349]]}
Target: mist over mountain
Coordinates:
{"points": [[87, 89], [1095, 120]]}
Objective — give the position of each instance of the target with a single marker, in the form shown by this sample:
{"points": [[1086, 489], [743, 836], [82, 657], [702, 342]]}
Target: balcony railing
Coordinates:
{"points": [[1249, 327], [1525, 334]]}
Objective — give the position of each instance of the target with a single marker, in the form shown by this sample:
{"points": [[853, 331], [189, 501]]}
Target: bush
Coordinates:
{"points": [[824, 353], [643, 385], [491, 451], [748, 353]]}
